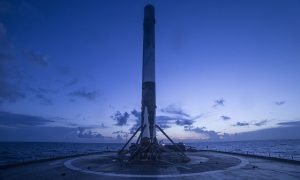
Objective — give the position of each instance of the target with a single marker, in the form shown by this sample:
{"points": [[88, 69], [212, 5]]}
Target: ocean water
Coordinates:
{"points": [[287, 149], [15, 152]]}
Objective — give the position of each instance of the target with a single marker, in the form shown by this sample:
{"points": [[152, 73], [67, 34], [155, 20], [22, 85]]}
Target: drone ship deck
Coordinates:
{"points": [[203, 164]]}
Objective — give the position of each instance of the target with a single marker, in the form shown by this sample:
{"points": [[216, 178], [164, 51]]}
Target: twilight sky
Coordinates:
{"points": [[225, 70]]}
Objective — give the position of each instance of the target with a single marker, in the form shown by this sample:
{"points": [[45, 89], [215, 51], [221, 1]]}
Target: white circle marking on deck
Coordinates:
{"points": [[69, 165]]}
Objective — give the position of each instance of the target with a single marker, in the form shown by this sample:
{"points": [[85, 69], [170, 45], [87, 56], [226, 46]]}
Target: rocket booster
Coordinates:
{"points": [[148, 86]]}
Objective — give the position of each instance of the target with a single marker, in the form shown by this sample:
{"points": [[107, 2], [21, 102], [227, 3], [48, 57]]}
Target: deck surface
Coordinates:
{"points": [[204, 165]]}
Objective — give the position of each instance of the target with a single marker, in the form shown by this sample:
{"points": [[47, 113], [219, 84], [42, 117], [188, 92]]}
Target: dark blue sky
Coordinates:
{"points": [[71, 70]]}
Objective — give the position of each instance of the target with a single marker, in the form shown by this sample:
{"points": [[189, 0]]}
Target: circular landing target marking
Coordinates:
{"points": [[201, 163]]}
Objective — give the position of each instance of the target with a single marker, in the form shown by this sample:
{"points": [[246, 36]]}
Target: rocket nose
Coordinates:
{"points": [[149, 11]]}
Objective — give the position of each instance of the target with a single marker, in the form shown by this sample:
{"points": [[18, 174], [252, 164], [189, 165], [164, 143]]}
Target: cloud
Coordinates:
{"points": [[38, 134], [184, 122], [206, 134], [167, 121], [136, 113], [119, 132], [120, 118], [173, 109], [279, 103], [177, 117], [283, 132], [261, 123], [163, 121], [219, 102], [52, 134], [89, 95], [16, 120], [35, 57], [103, 126], [21, 127], [164, 126], [225, 118], [133, 128], [241, 124], [289, 123], [137, 124], [119, 138], [88, 133]]}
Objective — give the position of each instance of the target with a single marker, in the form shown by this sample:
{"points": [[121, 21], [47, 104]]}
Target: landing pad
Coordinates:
{"points": [[110, 164]]}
